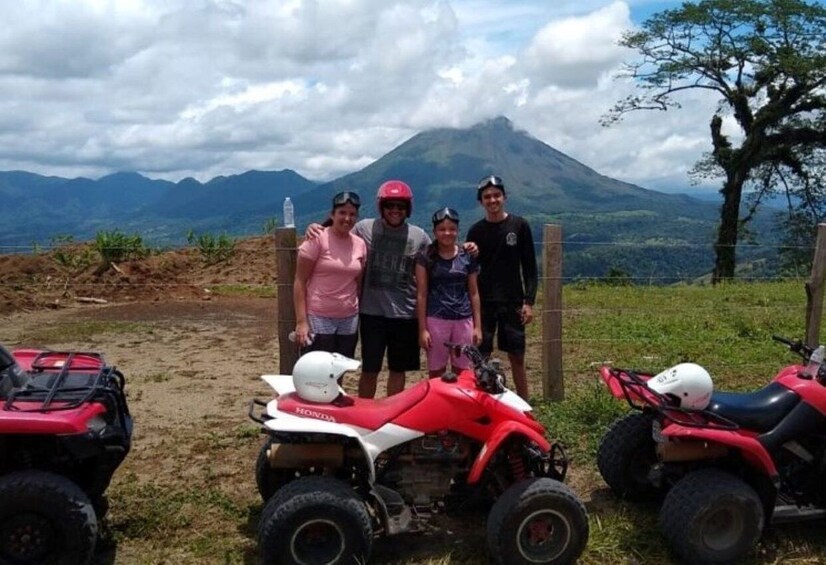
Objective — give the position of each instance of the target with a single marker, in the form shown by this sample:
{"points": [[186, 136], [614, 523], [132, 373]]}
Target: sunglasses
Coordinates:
{"points": [[343, 198], [445, 214], [491, 180], [394, 206]]}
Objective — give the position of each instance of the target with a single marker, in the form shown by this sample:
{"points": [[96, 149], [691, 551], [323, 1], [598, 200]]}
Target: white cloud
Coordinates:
{"points": [[176, 88], [578, 51]]}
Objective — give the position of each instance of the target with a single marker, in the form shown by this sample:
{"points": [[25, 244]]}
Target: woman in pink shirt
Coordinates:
{"points": [[328, 281]]}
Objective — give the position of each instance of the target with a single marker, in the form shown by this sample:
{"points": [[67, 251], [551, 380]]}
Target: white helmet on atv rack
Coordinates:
{"points": [[316, 375], [688, 383]]}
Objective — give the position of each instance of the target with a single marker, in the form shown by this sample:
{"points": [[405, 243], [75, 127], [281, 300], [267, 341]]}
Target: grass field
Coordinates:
{"points": [[186, 493]]}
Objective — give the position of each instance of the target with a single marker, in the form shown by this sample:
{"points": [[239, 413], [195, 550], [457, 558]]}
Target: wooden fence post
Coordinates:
{"points": [[552, 383], [814, 289], [285, 258]]}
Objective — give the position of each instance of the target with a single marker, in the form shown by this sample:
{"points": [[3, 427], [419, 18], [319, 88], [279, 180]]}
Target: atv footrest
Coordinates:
{"points": [[792, 513]]}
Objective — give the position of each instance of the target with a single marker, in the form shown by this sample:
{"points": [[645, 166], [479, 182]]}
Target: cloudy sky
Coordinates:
{"points": [[178, 88]]}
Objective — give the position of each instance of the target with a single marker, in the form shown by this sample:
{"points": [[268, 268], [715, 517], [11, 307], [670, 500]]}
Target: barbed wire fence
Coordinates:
{"points": [[557, 320]]}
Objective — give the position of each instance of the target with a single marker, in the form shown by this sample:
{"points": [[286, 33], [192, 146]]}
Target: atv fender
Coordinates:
{"points": [[289, 424], [500, 434], [281, 384], [751, 449]]}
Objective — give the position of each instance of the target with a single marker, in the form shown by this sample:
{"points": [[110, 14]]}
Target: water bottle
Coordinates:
{"points": [[289, 213], [293, 336]]}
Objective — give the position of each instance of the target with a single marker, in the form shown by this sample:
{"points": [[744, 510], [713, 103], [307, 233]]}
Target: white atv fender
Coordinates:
{"points": [[372, 442], [510, 398]]}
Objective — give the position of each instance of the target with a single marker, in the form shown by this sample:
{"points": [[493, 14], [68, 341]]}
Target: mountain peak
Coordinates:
{"points": [[497, 123]]}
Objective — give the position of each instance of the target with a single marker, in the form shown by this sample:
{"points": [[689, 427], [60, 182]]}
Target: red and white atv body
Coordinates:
{"points": [[443, 445], [725, 471], [65, 427]]}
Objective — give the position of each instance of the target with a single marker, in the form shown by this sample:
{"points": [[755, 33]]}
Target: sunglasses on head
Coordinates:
{"points": [[445, 214], [491, 180], [394, 205], [343, 198]]}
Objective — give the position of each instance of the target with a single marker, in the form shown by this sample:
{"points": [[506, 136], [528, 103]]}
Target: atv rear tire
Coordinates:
{"points": [[626, 454], [538, 520], [45, 518], [315, 520], [711, 516]]}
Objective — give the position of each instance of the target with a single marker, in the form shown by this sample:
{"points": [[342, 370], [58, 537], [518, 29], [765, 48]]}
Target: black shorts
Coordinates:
{"points": [[506, 319], [400, 337]]}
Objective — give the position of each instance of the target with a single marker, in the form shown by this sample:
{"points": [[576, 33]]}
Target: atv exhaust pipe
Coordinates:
{"points": [[672, 451], [292, 455]]}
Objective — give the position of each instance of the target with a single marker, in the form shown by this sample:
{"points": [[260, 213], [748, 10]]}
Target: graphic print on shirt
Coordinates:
{"points": [[389, 265]]}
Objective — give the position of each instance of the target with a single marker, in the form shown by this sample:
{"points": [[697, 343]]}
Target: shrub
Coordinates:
{"points": [[212, 249], [270, 225], [70, 255], [114, 246]]}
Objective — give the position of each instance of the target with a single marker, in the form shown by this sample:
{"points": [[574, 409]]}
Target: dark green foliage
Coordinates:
{"points": [[114, 246], [212, 249], [765, 61]]}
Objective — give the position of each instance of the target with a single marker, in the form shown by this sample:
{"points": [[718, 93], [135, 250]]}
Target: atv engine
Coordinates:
{"points": [[423, 470]]}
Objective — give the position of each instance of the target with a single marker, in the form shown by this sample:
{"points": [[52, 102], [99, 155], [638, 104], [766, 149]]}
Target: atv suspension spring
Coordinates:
{"points": [[517, 463]]}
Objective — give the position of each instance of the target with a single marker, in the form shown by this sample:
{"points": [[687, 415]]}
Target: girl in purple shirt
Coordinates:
{"points": [[447, 304]]}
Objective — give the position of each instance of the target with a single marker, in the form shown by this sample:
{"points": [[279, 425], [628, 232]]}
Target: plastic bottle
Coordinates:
{"points": [[293, 336], [289, 213]]}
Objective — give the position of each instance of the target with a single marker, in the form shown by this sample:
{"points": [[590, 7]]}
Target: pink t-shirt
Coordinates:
{"points": [[332, 291]]}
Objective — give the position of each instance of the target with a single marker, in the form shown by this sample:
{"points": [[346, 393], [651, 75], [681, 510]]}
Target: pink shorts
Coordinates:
{"points": [[448, 331]]}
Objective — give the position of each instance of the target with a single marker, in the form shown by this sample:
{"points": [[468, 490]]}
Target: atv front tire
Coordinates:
{"points": [[45, 518], [315, 520], [626, 455], [538, 520], [711, 516]]}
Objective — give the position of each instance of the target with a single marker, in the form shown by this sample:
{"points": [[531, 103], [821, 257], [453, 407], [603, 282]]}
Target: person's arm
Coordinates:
{"points": [[470, 245], [304, 267], [475, 305], [471, 248], [530, 275], [314, 230], [421, 305]]}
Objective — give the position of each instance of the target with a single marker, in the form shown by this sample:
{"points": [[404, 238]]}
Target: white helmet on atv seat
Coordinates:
{"points": [[688, 383], [316, 374]]}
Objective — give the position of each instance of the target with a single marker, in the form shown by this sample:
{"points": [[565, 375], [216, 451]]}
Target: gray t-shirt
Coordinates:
{"points": [[389, 287]]}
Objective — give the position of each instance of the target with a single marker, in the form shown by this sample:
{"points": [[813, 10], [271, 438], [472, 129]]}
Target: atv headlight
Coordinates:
{"points": [[96, 424]]}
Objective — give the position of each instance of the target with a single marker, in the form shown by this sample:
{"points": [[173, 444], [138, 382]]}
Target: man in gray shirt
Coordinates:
{"points": [[387, 307]]}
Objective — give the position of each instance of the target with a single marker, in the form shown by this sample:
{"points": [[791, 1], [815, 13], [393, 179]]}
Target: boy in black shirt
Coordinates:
{"points": [[507, 277]]}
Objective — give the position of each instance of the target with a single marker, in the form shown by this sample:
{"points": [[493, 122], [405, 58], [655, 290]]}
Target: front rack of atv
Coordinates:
{"points": [[640, 397], [55, 394]]}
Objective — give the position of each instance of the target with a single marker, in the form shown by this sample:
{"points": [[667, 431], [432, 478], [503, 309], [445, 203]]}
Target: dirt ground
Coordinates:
{"points": [[193, 360]]}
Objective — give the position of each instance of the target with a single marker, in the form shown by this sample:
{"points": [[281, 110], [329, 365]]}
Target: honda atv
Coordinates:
{"points": [[726, 463], [64, 429], [336, 470]]}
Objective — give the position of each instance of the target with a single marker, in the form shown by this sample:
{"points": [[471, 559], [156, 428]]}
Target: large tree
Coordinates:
{"points": [[765, 61]]}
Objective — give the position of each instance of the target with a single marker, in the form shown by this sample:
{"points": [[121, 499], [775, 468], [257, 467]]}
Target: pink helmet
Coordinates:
{"points": [[395, 190]]}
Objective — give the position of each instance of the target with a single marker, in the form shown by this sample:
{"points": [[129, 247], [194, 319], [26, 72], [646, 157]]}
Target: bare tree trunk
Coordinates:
{"points": [[726, 247]]}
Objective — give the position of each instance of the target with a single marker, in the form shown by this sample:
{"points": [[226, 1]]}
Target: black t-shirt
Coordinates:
{"points": [[507, 260]]}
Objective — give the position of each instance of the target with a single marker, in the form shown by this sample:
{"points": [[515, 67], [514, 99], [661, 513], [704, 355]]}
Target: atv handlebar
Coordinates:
{"points": [[813, 356], [488, 376], [796, 346]]}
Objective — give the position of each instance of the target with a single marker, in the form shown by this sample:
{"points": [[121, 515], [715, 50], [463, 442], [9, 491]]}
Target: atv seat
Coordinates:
{"points": [[758, 411], [364, 413]]}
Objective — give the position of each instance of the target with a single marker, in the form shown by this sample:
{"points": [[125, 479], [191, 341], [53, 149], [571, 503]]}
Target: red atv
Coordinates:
{"points": [[64, 429], [726, 463], [336, 469]]}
